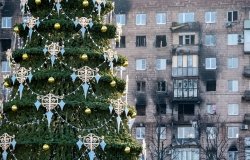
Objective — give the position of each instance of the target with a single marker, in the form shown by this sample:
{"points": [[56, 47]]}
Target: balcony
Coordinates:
{"points": [[246, 95], [185, 49], [185, 27], [246, 71]]}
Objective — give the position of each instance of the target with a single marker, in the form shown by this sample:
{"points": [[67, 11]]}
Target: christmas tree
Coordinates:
{"points": [[67, 101]]}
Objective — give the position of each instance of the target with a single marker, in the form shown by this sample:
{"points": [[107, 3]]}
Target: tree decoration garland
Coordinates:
{"points": [[91, 141], [49, 101], [5, 141]]}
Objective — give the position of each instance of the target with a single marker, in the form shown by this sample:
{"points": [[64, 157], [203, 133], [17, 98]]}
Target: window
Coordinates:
{"points": [[161, 108], [233, 155], [140, 132], [211, 85], [161, 18], [210, 63], [232, 63], [186, 132], [140, 109], [161, 41], [161, 86], [211, 108], [141, 41], [233, 109], [210, 17], [121, 43], [6, 22], [5, 67], [185, 109], [185, 65], [141, 19], [211, 132], [233, 132], [141, 64], [161, 132], [186, 154], [6, 93], [232, 39], [186, 39], [141, 86], [121, 19], [210, 40], [6, 44], [185, 88], [186, 17], [161, 64], [232, 16], [233, 85]]}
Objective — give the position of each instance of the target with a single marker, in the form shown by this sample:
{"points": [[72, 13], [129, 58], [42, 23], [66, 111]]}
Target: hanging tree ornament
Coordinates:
{"points": [[84, 22], [91, 141], [118, 31], [118, 106], [53, 49], [9, 55], [85, 74], [21, 74], [58, 5], [49, 101], [5, 142], [110, 56], [23, 3], [31, 22], [98, 5]]}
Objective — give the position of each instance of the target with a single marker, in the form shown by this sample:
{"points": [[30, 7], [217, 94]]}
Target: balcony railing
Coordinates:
{"points": [[182, 27], [184, 71], [185, 49]]}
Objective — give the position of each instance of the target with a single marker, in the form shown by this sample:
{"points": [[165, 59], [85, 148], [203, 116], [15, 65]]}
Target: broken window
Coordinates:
{"points": [[121, 43], [186, 39], [140, 109], [232, 16], [186, 109], [161, 86], [161, 41], [6, 44], [141, 41], [161, 108], [141, 86], [185, 88], [211, 85]]}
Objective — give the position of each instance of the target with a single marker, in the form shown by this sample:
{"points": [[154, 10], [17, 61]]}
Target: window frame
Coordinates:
{"points": [[6, 22], [232, 39], [161, 64], [233, 62], [190, 38], [233, 109], [160, 41], [141, 41], [121, 43], [211, 132], [211, 108], [140, 133], [181, 92], [209, 38], [121, 18], [234, 135], [186, 154], [5, 67], [163, 132], [210, 63], [189, 133], [161, 18], [210, 15], [235, 85], [141, 64], [140, 18], [182, 17], [140, 86], [232, 16]]}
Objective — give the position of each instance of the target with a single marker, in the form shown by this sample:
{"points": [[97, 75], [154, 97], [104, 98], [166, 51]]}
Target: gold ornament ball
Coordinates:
{"points": [[1, 117], [84, 57], [85, 3], [45, 147], [6, 84], [133, 115], [127, 150], [38, 2], [57, 26], [87, 111], [112, 83], [125, 64], [25, 56], [104, 29], [16, 29], [14, 108], [51, 80]]}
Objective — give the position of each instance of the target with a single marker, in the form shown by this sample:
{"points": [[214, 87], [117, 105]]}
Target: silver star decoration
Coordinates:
{"points": [[5, 142]]}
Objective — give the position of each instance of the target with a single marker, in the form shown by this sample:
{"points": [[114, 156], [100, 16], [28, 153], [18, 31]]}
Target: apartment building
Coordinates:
{"points": [[189, 75], [9, 16]]}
